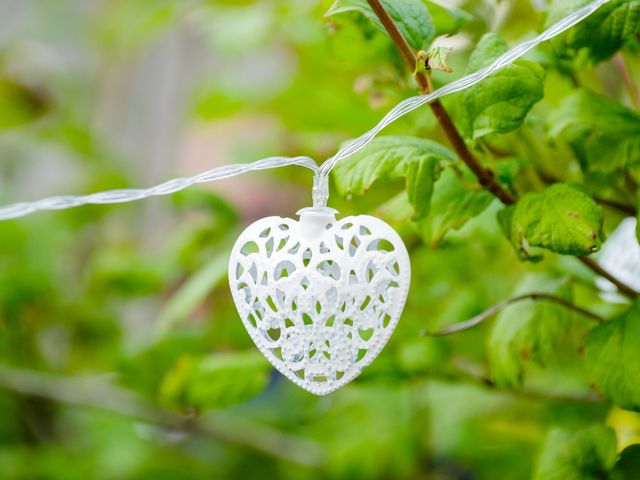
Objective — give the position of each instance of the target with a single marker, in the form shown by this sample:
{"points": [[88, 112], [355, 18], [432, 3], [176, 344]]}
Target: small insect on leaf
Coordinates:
{"points": [[434, 59], [437, 59]]}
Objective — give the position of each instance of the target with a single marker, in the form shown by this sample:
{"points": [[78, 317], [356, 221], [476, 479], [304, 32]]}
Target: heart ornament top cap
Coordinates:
{"points": [[320, 297]]}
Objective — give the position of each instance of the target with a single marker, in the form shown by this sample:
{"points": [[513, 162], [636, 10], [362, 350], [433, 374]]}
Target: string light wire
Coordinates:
{"points": [[411, 103], [166, 188], [321, 173]]}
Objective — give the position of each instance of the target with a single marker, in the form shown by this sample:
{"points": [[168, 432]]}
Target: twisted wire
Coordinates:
{"points": [[412, 103], [321, 172], [166, 188]]}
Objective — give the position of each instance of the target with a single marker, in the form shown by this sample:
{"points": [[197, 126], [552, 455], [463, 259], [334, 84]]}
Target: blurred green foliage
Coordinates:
{"points": [[121, 354]]}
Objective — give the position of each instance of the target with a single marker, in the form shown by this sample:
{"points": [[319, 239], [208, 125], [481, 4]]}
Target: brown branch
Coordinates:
{"points": [[485, 176], [490, 312], [619, 206], [102, 395], [624, 288]]}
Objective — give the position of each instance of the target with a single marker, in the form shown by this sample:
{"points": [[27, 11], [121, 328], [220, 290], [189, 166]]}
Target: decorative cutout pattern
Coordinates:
{"points": [[320, 308]]}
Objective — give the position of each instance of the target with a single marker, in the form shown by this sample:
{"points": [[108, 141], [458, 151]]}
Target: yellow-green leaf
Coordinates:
{"points": [[587, 454], [613, 358], [560, 218], [418, 160], [528, 331], [457, 198], [215, 381], [500, 103], [604, 133], [600, 35], [411, 16]]}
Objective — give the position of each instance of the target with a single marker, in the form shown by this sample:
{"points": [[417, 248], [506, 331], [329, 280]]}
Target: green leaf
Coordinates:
{"points": [[192, 293], [19, 104], [452, 205], [600, 35], [457, 198], [411, 16], [128, 26], [528, 331], [577, 455], [490, 47], [604, 133], [418, 160], [613, 358], [500, 103], [560, 218], [422, 354], [628, 465], [120, 272], [448, 20], [216, 381]]}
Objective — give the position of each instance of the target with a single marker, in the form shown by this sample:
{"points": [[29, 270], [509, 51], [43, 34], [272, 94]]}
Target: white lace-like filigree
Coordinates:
{"points": [[320, 298]]}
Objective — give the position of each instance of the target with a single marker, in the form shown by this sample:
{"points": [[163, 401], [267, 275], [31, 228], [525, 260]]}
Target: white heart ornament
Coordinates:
{"points": [[320, 297]]}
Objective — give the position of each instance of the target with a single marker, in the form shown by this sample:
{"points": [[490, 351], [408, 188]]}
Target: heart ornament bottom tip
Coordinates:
{"points": [[320, 297]]}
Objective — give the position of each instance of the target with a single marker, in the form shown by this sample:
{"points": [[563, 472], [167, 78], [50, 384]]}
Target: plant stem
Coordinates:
{"points": [[463, 371], [619, 206], [470, 372], [102, 395], [624, 288], [485, 176], [490, 312]]}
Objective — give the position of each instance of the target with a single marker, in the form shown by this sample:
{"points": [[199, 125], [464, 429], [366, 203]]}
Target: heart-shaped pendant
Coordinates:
{"points": [[320, 297]]}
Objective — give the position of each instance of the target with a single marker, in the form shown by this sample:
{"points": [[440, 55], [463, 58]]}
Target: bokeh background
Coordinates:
{"points": [[121, 354]]}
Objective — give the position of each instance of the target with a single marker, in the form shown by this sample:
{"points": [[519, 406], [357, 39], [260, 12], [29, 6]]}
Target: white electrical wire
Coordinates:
{"points": [[131, 194], [411, 103], [320, 194]]}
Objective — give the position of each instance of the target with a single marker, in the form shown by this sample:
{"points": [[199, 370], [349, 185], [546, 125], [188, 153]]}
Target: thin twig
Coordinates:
{"points": [[619, 206], [99, 394], [485, 176], [470, 372], [490, 312], [527, 394], [463, 372], [623, 287]]}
